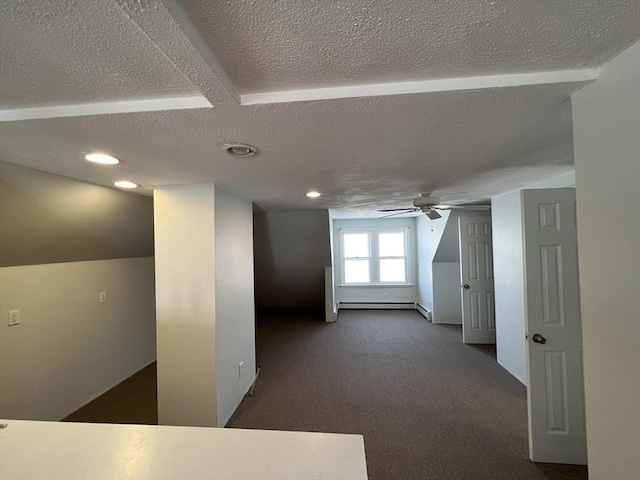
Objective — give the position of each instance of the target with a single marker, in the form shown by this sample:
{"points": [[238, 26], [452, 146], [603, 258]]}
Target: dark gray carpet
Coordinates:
{"points": [[133, 401], [429, 407]]}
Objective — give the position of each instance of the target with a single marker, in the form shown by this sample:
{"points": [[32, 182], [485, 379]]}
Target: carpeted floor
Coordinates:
{"points": [[429, 407], [133, 401]]}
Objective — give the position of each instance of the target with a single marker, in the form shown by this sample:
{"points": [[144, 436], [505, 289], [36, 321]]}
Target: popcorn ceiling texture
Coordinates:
{"points": [[361, 153], [56, 53], [285, 44]]}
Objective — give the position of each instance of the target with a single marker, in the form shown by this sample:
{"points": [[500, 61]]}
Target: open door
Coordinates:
{"points": [[476, 273], [554, 333]]}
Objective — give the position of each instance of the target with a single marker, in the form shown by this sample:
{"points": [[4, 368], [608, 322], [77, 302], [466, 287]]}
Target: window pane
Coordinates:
{"points": [[391, 244], [355, 245], [392, 270], [356, 271]]}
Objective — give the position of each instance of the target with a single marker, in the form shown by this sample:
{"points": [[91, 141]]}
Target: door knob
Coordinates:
{"points": [[465, 286], [537, 338]]}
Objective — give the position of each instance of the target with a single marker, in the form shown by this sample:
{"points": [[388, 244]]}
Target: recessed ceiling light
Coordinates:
{"points": [[125, 184], [101, 158], [240, 149], [313, 194]]}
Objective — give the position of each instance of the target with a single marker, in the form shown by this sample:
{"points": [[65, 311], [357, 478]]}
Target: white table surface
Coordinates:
{"points": [[87, 451]]}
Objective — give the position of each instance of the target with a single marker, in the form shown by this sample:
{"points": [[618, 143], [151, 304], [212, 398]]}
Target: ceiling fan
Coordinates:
{"points": [[428, 205]]}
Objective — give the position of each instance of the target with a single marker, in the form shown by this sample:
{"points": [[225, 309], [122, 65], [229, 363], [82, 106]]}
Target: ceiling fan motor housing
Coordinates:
{"points": [[424, 201]]}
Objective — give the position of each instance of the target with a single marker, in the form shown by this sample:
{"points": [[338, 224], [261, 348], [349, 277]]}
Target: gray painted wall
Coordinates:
{"points": [[48, 218], [291, 250], [69, 347], [60, 240]]}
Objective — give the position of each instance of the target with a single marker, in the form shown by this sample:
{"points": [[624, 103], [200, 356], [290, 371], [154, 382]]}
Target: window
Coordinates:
{"points": [[391, 251], [374, 256], [357, 259]]}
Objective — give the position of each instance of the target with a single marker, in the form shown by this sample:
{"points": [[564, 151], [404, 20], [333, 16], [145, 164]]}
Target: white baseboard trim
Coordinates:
{"points": [[377, 306]]}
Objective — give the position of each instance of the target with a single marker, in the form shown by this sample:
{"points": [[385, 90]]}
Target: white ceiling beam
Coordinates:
{"points": [[169, 28], [421, 86], [104, 108]]}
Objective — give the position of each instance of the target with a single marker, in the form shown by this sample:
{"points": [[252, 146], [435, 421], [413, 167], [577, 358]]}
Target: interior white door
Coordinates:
{"points": [[476, 273], [554, 333]]}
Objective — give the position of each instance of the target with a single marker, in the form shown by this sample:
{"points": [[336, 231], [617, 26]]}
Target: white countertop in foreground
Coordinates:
{"points": [[88, 451]]}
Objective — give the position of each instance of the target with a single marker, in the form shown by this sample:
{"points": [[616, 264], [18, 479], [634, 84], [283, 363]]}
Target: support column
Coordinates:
{"points": [[184, 219]]}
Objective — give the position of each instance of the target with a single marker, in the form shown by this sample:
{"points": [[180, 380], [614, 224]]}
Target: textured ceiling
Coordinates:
{"points": [[271, 45], [362, 153], [60, 52], [355, 151]]}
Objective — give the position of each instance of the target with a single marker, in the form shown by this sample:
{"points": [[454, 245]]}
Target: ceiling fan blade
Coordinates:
{"points": [[462, 207], [432, 214], [397, 213], [409, 209]]}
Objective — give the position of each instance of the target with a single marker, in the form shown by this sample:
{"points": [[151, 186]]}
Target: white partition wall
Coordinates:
{"points": [[204, 303], [429, 234], [606, 125], [235, 312], [508, 271], [185, 305]]}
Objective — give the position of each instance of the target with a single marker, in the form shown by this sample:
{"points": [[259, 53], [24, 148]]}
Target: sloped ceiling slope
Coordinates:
{"points": [[369, 102]]}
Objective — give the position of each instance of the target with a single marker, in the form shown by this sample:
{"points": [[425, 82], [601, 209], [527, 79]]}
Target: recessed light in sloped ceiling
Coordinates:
{"points": [[101, 158], [240, 149], [125, 184]]}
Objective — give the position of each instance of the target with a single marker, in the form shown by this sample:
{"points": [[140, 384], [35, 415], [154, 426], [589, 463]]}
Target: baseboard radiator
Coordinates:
{"points": [[377, 305], [425, 313]]}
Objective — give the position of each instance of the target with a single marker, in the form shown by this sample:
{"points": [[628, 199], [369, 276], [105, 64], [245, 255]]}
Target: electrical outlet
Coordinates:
{"points": [[103, 297], [240, 369], [14, 317]]}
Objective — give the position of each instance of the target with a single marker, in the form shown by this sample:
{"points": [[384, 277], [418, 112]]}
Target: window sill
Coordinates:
{"points": [[375, 285]]}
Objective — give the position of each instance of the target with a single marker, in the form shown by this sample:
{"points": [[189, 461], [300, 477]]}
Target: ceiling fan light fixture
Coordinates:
{"points": [[240, 149]]}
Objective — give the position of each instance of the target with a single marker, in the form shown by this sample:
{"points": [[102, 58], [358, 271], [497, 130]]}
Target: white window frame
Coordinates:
{"points": [[343, 259], [374, 256]]}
